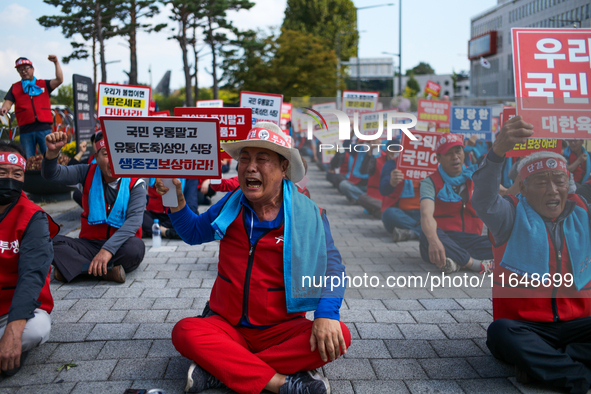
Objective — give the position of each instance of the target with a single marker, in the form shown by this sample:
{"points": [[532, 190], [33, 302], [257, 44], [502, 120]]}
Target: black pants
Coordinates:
{"points": [[558, 353], [148, 222], [373, 205], [459, 246], [72, 256], [335, 179]]}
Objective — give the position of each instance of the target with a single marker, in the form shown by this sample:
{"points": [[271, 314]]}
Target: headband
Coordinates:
{"points": [[13, 159], [544, 164], [98, 145]]}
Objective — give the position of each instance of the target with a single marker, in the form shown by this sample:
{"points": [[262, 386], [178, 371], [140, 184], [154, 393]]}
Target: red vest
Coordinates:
{"points": [[12, 229], [373, 183], [350, 177], [544, 304], [27, 108], [250, 280], [455, 216], [344, 168], [102, 231], [154, 201]]}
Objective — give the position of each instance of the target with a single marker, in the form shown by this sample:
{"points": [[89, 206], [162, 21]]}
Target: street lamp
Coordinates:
{"points": [[357, 16], [339, 66], [399, 71]]}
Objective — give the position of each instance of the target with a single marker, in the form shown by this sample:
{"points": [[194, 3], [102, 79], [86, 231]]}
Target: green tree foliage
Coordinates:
{"points": [[421, 69], [325, 19], [412, 87], [65, 96], [130, 13], [295, 64], [91, 19]]}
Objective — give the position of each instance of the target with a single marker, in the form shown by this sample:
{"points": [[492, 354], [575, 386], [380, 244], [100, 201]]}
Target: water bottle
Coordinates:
{"points": [[156, 239]]}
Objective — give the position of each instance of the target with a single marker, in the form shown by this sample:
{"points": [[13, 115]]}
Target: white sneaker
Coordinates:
{"points": [[488, 266]]}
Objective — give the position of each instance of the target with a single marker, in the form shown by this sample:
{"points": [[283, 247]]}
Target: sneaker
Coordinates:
{"points": [[199, 379], [488, 266], [307, 382], [57, 275], [117, 274], [401, 234], [450, 266]]}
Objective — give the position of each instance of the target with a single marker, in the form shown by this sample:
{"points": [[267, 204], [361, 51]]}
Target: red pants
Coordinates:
{"points": [[245, 359]]}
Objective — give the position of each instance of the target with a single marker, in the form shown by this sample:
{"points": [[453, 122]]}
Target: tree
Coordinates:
{"points": [[89, 18], [325, 19], [215, 26], [65, 96], [130, 12], [421, 69], [412, 87]]}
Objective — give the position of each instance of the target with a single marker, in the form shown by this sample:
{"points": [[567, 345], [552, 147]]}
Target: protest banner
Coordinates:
{"points": [[360, 102], [265, 107], [433, 111], [432, 88], [418, 159], [551, 68], [235, 123], [285, 116], [369, 124], [123, 100], [219, 103], [84, 120], [471, 119], [155, 147], [533, 144], [161, 113]]}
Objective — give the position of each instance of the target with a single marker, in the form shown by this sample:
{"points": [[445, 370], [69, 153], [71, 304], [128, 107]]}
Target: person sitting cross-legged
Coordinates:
{"points": [[542, 276], [255, 335], [452, 232], [109, 244]]}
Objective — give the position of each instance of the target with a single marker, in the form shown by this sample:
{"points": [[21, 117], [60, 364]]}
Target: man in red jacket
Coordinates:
{"points": [[32, 106], [25, 255], [542, 274]]}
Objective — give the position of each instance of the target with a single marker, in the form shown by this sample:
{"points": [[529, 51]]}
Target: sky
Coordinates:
{"points": [[433, 31]]}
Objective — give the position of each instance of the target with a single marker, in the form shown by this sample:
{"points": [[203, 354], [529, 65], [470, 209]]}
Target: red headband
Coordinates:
{"points": [[544, 164], [259, 133], [13, 159], [98, 145]]}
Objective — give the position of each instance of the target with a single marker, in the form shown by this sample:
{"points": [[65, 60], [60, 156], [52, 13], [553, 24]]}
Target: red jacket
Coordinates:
{"points": [[154, 201], [12, 229], [27, 108], [544, 304], [455, 216], [98, 231], [235, 294], [373, 183]]}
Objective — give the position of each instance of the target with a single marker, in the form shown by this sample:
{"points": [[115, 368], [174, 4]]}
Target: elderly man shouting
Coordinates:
{"points": [[272, 237], [542, 244]]}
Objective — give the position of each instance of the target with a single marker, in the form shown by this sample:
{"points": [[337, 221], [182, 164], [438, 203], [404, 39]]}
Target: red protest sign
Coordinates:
{"points": [[235, 123], [161, 113], [533, 144], [432, 88], [418, 159], [433, 111], [551, 69]]}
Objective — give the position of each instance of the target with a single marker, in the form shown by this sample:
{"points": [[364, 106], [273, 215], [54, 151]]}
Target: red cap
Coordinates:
{"points": [[447, 141], [22, 61]]}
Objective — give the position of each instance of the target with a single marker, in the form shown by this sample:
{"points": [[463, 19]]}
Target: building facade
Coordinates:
{"points": [[444, 80], [497, 81]]}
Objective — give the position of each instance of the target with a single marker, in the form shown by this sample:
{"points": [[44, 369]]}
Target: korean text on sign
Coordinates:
{"points": [[359, 102], [418, 159], [123, 100], [163, 147], [370, 125], [235, 123], [552, 71], [265, 107], [471, 119], [433, 111]]}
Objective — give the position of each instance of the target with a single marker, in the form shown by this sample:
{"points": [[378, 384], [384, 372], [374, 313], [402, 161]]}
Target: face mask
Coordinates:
{"points": [[10, 190]]}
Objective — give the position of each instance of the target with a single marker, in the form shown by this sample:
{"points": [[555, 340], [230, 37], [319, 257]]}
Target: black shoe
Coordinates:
{"points": [[199, 380], [307, 382], [12, 372], [57, 275]]}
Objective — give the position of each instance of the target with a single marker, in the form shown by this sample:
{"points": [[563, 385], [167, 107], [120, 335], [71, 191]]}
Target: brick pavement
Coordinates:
{"points": [[404, 339]]}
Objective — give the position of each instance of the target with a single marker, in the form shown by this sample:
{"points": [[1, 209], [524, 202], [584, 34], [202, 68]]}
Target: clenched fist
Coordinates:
{"points": [[55, 142]]}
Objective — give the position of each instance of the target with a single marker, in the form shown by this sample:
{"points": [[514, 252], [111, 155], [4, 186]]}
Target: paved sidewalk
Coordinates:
{"points": [[404, 340]]}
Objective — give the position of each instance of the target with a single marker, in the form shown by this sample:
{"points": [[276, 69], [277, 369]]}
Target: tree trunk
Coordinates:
{"points": [[196, 56], [132, 44], [99, 35], [94, 65], [183, 43], [213, 59]]}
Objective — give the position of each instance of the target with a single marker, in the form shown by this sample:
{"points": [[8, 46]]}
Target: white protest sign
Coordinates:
{"points": [[210, 103], [123, 100], [172, 147], [265, 107], [359, 102]]}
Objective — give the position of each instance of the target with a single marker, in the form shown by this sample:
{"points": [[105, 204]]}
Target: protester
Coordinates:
{"points": [[26, 253], [256, 336], [541, 328], [372, 166], [452, 231], [32, 106], [401, 201], [113, 213], [355, 183], [578, 161]]}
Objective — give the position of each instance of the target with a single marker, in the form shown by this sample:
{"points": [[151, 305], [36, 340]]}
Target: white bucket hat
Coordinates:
{"points": [[268, 135]]}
